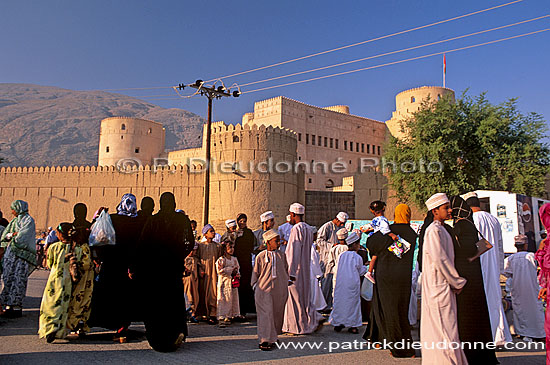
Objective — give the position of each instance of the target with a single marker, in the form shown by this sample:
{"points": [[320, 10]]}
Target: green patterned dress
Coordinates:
{"points": [[64, 303]]}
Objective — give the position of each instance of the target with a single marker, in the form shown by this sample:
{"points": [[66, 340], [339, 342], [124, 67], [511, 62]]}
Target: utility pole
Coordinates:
{"points": [[211, 93]]}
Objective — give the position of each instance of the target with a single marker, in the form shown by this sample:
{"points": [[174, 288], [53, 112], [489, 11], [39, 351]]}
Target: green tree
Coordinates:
{"points": [[467, 145]]}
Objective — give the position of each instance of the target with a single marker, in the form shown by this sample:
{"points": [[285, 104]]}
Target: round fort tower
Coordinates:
{"points": [[263, 177], [409, 101], [124, 140]]}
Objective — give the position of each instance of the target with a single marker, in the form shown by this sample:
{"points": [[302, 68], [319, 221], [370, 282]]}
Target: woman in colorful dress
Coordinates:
{"points": [[66, 300], [18, 247]]}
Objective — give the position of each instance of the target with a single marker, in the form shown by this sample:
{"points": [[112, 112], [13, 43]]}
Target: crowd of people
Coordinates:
{"points": [[162, 271]]}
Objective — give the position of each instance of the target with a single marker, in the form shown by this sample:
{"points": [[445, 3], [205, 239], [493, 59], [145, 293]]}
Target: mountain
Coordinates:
{"points": [[46, 126]]}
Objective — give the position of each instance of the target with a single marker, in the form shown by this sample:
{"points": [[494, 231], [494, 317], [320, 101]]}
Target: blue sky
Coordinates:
{"points": [[87, 45]]}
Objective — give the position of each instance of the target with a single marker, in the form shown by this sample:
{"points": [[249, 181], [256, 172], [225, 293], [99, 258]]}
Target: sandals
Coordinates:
{"points": [[239, 319], [50, 337], [266, 346], [121, 335], [339, 328], [353, 330]]}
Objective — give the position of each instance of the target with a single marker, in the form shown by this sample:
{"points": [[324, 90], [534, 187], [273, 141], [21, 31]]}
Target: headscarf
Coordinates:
{"points": [[402, 214], [23, 245], [66, 229], [127, 206], [461, 209], [544, 213], [167, 203], [20, 207], [240, 216]]}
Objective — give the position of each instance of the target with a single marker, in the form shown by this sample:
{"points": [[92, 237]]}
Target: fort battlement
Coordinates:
{"points": [[52, 191], [421, 88], [334, 112]]}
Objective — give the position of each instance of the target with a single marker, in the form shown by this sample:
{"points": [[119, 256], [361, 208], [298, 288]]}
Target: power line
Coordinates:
{"points": [[392, 52], [388, 63], [331, 50], [371, 57], [396, 62], [367, 41]]}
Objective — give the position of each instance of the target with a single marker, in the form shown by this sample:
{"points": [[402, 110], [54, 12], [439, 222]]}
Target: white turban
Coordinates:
{"points": [[437, 200], [342, 217], [297, 208], [230, 223], [288, 218], [267, 216]]}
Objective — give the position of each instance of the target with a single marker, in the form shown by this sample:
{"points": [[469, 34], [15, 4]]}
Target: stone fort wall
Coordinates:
{"points": [[52, 191]]}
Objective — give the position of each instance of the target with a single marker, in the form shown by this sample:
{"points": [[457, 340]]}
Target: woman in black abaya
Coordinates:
{"points": [[473, 316], [389, 319]]}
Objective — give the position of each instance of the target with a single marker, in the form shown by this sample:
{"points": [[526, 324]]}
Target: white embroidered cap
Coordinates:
{"points": [[230, 223], [471, 194], [297, 208], [437, 200], [270, 234], [288, 218], [266, 216], [352, 238], [342, 217], [342, 234]]}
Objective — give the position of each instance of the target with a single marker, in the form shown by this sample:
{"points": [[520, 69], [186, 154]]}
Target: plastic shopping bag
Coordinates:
{"points": [[366, 290], [102, 232]]}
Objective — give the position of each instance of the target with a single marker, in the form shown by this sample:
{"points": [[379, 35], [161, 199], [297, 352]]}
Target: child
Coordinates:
{"points": [[270, 283], [337, 250], [191, 283], [66, 300], [521, 270], [346, 311], [227, 268], [379, 223], [207, 255]]}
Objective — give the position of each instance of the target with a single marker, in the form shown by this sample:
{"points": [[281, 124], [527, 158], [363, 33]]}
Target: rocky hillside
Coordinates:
{"points": [[44, 125]]}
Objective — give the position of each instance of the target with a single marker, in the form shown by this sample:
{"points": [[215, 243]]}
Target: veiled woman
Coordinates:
{"points": [[18, 248], [473, 316], [244, 246], [114, 303], [166, 240], [392, 292]]}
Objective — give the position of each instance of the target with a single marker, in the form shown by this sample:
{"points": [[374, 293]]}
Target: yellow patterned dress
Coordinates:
{"points": [[64, 303]]}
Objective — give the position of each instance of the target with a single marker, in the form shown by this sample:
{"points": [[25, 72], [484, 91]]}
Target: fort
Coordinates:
{"points": [[132, 159], [52, 191]]}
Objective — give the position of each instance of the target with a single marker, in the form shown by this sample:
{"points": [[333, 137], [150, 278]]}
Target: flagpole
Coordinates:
{"points": [[444, 68]]}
